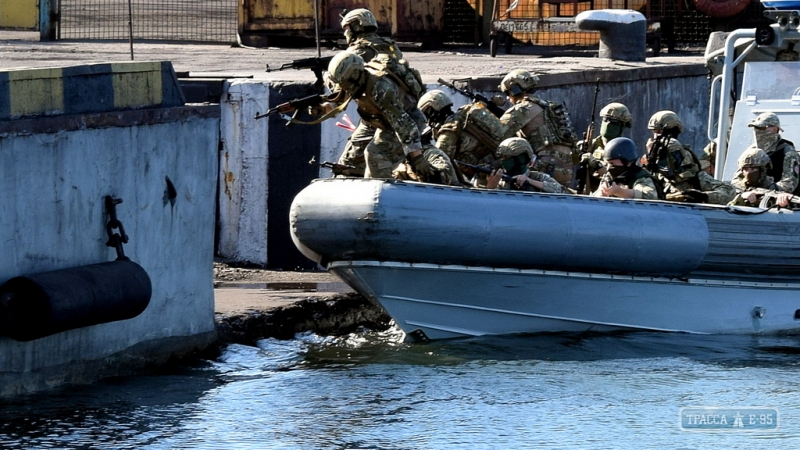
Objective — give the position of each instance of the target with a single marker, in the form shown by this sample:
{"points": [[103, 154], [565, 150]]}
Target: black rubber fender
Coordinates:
{"points": [[39, 305]]}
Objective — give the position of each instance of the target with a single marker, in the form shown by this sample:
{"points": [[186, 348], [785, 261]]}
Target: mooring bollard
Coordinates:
{"points": [[623, 33]]}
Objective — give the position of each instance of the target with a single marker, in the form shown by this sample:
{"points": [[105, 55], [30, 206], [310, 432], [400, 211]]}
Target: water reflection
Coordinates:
{"points": [[372, 390]]}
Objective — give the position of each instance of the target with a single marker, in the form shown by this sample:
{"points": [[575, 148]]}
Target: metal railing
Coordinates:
{"points": [[167, 20]]}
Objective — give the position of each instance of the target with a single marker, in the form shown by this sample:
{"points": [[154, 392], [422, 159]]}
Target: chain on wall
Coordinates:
{"points": [[169, 20]]}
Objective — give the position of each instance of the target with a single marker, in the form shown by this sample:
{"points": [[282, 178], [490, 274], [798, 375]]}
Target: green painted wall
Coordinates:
{"points": [[19, 14]]}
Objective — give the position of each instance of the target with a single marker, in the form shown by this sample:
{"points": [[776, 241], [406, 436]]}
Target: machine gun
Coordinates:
{"points": [[317, 65], [484, 169], [490, 105]]}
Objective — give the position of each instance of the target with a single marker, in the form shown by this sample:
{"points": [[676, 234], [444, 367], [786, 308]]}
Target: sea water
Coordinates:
{"points": [[372, 391]]}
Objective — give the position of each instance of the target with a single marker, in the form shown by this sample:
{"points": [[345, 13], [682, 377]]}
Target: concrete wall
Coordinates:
{"points": [[645, 91], [55, 174], [264, 164]]}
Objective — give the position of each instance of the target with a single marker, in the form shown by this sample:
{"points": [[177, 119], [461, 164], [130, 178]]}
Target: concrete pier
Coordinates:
{"points": [[262, 165]]}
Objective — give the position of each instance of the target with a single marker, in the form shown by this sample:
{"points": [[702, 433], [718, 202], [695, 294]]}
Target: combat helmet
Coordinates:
{"points": [[360, 20], [434, 101], [518, 81], [754, 157], [617, 111], [345, 68], [665, 120], [621, 148], [514, 146]]}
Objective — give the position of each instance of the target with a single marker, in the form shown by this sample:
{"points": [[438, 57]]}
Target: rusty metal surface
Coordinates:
{"points": [[403, 19]]}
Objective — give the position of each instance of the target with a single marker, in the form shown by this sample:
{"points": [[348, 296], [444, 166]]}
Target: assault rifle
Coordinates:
{"points": [[768, 198], [317, 65], [587, 146], [297, 104], [294, 105], [490, 105], [484, 169], [335, 168]]}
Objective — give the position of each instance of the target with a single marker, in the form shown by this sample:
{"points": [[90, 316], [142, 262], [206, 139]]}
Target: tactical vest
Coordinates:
{"points": [[370, 46], [558, 123], [476, 120], [777, 158], [629, 178], [409, 80], [368, 110]]}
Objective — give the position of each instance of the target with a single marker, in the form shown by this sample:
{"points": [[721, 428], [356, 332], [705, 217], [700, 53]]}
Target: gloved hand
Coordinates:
{"points": [[322, 108], [421, 165]]}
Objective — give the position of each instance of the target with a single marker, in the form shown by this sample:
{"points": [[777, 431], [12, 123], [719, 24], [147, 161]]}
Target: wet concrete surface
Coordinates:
{"points": [[252, 303]]}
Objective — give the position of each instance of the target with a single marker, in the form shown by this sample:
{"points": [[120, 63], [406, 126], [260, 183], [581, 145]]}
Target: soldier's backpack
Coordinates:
{"points": [[408, 78], [558, 122], [484, 126]]}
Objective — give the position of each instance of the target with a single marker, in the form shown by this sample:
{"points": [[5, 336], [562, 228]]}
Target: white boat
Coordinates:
{"points": [[450, 262]]}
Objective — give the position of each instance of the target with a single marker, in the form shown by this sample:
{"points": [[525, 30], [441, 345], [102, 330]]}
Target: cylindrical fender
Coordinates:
{"points": [[721, 8], [35, 306]]}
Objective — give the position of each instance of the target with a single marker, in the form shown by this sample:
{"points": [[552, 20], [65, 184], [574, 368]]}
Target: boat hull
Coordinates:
{"points": [[447, 262], [437, 302]]}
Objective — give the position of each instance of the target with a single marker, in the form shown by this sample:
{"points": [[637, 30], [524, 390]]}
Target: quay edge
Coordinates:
{"points": [[134, 140]]}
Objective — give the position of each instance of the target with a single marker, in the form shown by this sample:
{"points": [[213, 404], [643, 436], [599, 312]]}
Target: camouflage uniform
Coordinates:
{"points": [[614, 118], [369, 46], [785, 160], [591, 166], [384, 53], [390, 109], [688, 176], [515, 156], [628, 175], [786, 169], [438, 159], [550, 184], [640, 181], [753, 158], [738, 182], [526, 119], [470, 134]]}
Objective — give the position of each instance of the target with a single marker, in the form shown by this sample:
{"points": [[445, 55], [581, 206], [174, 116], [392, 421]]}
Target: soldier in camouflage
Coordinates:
{"points": [[785, 168], [526, 119], [624, 178], [750, 175], [361, 32], [471, 134], [516, 158], [615, 118], [445, 170], [676, 166], [393, 112]]}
